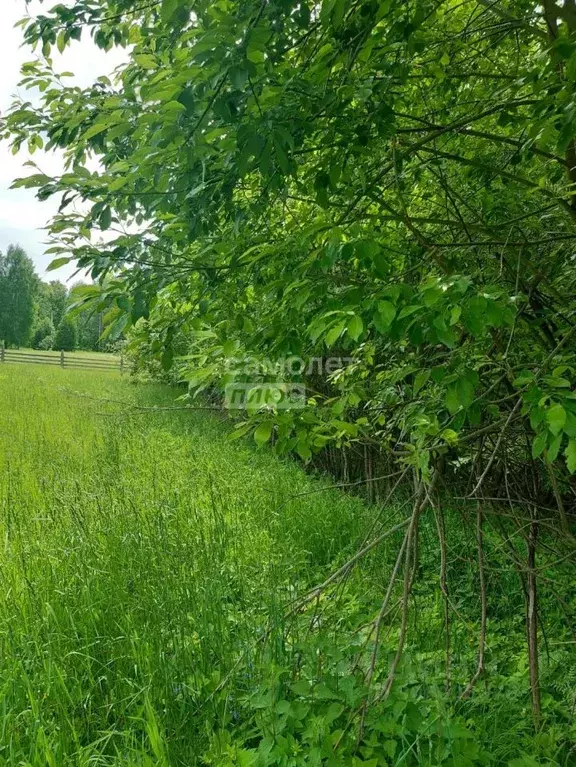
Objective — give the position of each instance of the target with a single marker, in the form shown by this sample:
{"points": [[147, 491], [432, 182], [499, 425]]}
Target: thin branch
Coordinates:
{"points": [[483, 606]]}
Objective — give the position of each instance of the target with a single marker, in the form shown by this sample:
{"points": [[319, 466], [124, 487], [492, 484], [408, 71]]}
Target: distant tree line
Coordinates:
{"points": [[34, 313]]}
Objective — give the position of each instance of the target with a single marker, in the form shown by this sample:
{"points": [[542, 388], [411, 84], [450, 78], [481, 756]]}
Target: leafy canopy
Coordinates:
{"points": [[18, 289], [387, 180]]}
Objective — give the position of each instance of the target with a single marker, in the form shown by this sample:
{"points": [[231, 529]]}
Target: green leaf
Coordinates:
{"points": [[285, 135], [557, 382], [95, 130], [332, 12], [115, 330], [28, 182], [57, 263], [323, 692], [466, 388], [420, 379], [537, 415], [124, 303], [570, 425], [168, 8], [146, 61], [450, 436], [301, 687], [408, 310], [303, 450], [570, 454], [554, 447], [173, 106], [187, 98], [118, 183], [334, 711], [387, 312], [105, 219], [556, 417], [140, 308], [338, 11], [355, 327], [263, 432], [453, 399], [444, 333], [539, 443], [281, 158], [239, 431], [384, 316], [334, 333], [61, 41], [524, 377]]}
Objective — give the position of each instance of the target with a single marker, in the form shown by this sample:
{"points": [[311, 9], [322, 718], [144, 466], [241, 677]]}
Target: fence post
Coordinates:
{"points": [[121, 363], [2, 352], [62, 358]]}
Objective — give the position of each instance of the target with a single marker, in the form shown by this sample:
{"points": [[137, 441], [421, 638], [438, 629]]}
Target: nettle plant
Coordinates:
{"points": [[290, 721], [391, 181]]}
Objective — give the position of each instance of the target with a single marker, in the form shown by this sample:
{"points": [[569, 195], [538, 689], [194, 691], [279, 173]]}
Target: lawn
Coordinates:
{"points": [[150, 568]]}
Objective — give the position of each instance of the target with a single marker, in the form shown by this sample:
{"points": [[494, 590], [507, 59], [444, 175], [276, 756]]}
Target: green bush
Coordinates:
{"points": [[46, 343], [66, 336], [44, 329]]}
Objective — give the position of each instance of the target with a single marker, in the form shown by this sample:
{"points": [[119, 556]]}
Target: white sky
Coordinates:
{"points": [[22, 216]]}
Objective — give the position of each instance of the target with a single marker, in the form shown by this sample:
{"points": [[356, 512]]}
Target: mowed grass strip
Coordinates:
{"points": [[143, 555]]}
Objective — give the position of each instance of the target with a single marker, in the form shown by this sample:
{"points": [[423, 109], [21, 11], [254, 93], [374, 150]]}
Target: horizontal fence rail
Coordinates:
{"points": [[62, 359]]}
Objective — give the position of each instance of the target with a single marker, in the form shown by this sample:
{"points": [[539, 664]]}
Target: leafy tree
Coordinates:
{"points": [[43, 306], [58, 298], [42, 330], [89, 330], [50, 305], [89, 321], [66, 338], [47, 343], [300, 195], [18, 289]]}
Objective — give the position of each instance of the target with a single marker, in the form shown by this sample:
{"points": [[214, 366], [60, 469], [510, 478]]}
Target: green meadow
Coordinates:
{"points": [[154, 578]]}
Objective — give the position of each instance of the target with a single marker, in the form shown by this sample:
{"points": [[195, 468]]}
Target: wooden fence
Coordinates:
{"points": [[61, 359]]}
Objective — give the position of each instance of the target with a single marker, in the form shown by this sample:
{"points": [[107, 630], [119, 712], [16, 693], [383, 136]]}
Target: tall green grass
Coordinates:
{"points": [[146, 566], [141, 556]]}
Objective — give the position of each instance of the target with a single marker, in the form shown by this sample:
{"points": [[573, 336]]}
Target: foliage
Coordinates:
{"points": [[89, 331], [149, 568], [90, 324], [43, 330], [386, 182], [315, 180], [58, 300], [18, 288], [47, 343], [51, 301], [54, 301], [66, 338]]}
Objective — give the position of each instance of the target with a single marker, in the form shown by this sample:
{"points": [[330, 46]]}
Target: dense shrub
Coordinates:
{"points": [[46, 343], [66, 338], [44, 329]]}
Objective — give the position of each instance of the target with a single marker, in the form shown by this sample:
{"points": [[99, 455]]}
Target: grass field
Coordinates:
{"points": [[146, 568], [140, 555]]}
